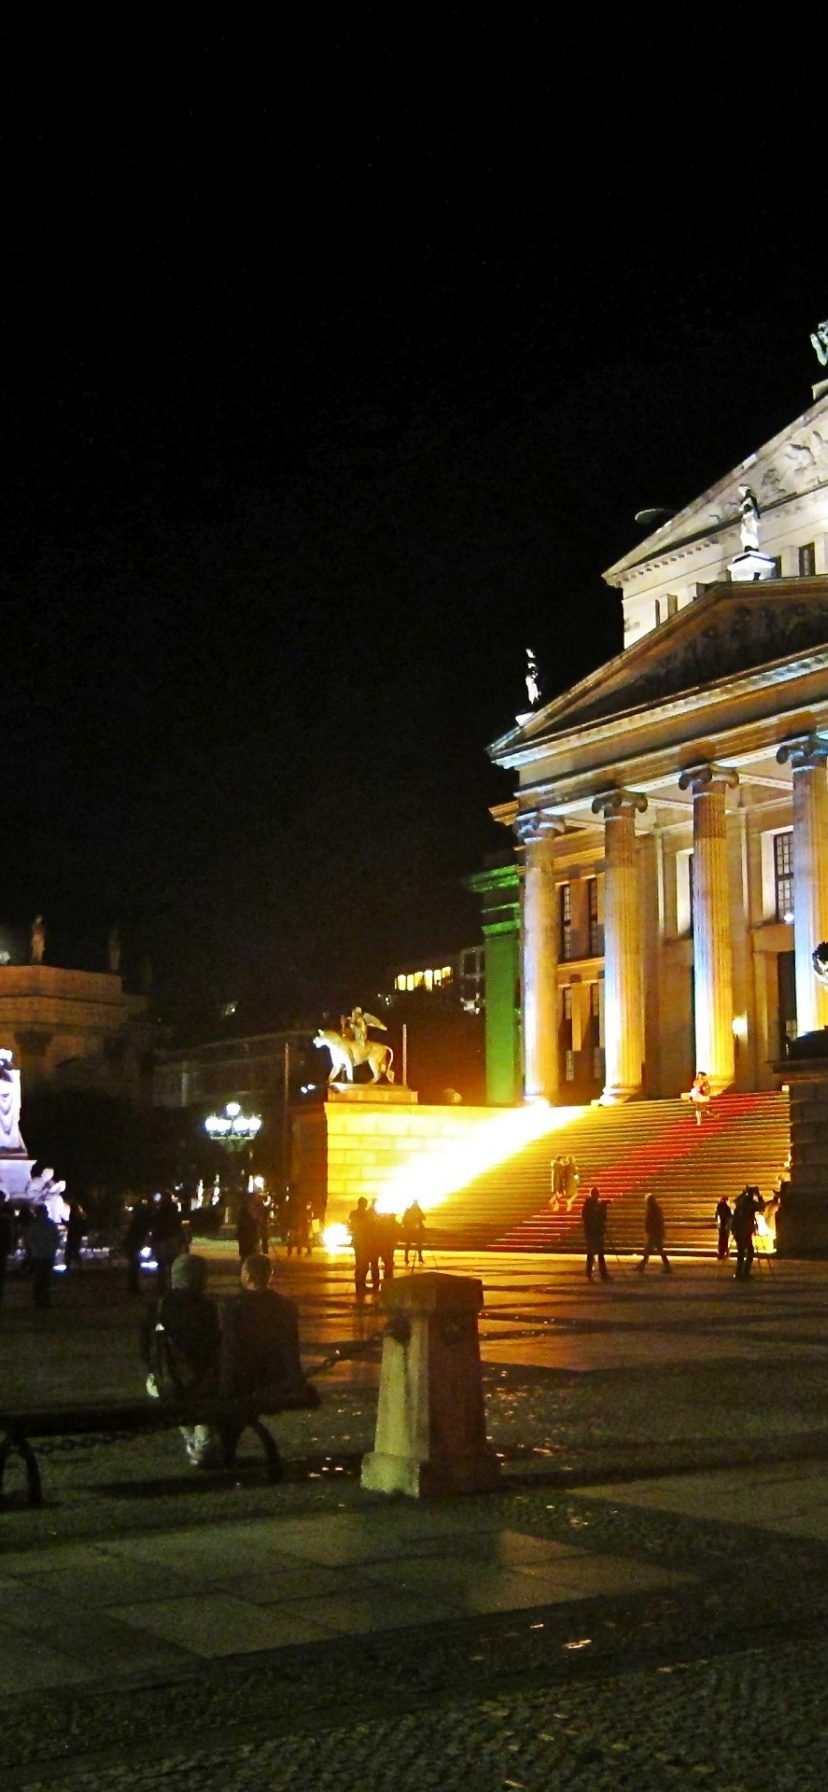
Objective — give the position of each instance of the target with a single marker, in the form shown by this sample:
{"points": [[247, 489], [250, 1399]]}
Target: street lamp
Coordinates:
{"points": [[233, 1128]]}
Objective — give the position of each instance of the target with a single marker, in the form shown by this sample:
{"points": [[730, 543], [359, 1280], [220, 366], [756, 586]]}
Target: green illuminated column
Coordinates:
{"points": [[499, 888], [539, 955]]}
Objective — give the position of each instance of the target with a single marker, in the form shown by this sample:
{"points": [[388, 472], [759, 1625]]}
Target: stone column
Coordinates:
{"points": [[712, 954], [539, 956], [623, 1003], [810, 873]]}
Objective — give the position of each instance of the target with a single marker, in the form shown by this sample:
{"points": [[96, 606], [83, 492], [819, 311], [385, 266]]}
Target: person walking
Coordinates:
{"points": [[594, 1218], [654, 1235], [44, 1239], [724, 1219]]}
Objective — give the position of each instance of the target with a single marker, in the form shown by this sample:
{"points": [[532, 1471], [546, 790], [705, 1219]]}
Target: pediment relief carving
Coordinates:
{"points": [[731, 635], [792, 465]]}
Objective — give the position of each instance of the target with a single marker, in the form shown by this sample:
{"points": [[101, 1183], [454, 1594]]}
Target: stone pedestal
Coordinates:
{"points": [[802, 1219], [431, 1424], [751, 566]]}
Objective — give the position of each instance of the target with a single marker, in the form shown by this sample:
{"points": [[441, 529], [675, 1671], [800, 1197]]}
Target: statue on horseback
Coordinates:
{"points": [[351, 1047]]}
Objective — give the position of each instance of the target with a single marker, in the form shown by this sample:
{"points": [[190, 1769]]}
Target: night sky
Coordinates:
{"points": [[338, 355]]}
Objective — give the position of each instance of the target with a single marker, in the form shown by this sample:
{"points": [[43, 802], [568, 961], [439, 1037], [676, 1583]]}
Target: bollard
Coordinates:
{"points": [[431, 1423]]}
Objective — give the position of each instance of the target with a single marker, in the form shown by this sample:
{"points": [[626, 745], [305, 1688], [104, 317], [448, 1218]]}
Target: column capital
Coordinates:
{"points": [[619, 802], [806, 753], [700, 778], [537, 827]]}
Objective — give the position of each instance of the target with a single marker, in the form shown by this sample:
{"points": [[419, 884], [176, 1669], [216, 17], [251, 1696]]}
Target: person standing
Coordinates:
{"points": [[724, 1218], [594, 1218], [44, 1239], [135, 1237], [413, 1232], [572, 1183], [558, 1183], [654, 1235], [76, 1229], [6, 1238], [360, 1228], [247, 1228], [743, 1226]]}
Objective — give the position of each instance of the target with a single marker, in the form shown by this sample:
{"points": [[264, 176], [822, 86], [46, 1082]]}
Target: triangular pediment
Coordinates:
{"points": [[733, 629], [791, 465]]}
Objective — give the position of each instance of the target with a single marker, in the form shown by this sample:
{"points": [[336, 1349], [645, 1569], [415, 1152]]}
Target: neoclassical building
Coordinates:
{"points": [[671, 811]]}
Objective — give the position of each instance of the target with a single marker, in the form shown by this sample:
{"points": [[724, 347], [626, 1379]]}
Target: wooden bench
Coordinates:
{"points": [[144, 1415]]}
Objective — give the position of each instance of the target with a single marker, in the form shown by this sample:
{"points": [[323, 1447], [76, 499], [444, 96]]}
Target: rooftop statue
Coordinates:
{"points": [[533, 689], [38, 940], [819, 343], [749, 514]]}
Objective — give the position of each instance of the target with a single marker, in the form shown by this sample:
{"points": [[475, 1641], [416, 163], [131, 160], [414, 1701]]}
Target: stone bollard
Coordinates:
{"points": [[431, 1423]]}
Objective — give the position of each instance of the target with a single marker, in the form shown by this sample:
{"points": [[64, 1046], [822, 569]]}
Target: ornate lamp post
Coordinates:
{"points": [[233, 1128]]}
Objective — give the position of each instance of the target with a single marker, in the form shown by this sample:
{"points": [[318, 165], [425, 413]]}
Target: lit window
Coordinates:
{"points": [[783, 876], [566, 922]]}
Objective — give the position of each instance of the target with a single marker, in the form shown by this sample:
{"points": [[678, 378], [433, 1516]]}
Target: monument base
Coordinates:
{"points": [[383, 1095]]}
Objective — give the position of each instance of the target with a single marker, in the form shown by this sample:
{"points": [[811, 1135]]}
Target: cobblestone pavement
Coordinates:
{"points": [[643, 1605]]}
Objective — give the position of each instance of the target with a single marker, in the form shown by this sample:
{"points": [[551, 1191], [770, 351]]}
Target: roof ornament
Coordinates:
{"points": [[819, 343], [750, 565], [533, 679]]}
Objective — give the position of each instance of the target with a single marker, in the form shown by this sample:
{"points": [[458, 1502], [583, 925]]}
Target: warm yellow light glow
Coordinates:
{"points": [[432, 1176], [336, 1239], [739, 1026]]}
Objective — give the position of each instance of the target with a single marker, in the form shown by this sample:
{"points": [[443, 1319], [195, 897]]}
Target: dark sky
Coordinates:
{"points": [[338, 354]]}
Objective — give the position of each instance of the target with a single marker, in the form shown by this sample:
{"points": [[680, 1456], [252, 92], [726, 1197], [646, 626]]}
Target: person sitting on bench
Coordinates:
{"points": [[260, 1358], [181, 1346]]}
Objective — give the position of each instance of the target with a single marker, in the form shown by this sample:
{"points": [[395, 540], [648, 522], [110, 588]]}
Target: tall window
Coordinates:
{"points": [[596, 931], [783, 876], [807, 560], [595, 1003], [569, 1055], [566, 922]]}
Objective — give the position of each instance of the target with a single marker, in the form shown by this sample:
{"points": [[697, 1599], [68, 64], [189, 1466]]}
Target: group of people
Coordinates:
{"points": [[27, 1228], [739, 1222], [565, 1184], [375, 1238], [246, 1351]]}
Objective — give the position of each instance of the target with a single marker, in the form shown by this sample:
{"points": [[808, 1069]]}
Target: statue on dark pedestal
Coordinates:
{"points": [[748, 519], [38, 940]]}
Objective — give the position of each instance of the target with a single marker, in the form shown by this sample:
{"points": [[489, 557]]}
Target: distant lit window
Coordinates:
{"points": [[783, 876], [807, 560], [566, 921], [596, 931]]}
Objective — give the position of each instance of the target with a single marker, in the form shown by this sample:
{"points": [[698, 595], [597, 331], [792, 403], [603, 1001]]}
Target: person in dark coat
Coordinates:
{"points": [[260, 1348], [76, 1230], [43, 1242], [6, 1238], [181, 1347], [413, 1232], [167, 1237], [362, 1227], [248, 1228], [654, 1235], [743, 1226], [135, 1237], [724, 1218], [594, 1218]]}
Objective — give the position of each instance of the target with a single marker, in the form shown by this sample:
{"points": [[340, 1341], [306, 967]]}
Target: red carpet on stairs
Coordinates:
{"points": [[629, 1151]]}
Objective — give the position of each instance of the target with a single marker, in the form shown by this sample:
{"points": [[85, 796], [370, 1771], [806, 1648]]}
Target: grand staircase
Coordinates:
{"points": [[630, 1151]]}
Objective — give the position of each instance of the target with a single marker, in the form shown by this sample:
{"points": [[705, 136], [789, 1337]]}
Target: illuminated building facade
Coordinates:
{"points": [[671, 811]]}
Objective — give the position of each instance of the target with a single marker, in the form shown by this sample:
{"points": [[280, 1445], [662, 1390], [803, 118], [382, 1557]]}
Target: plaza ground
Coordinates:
{"points": [[643, 1604]]}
